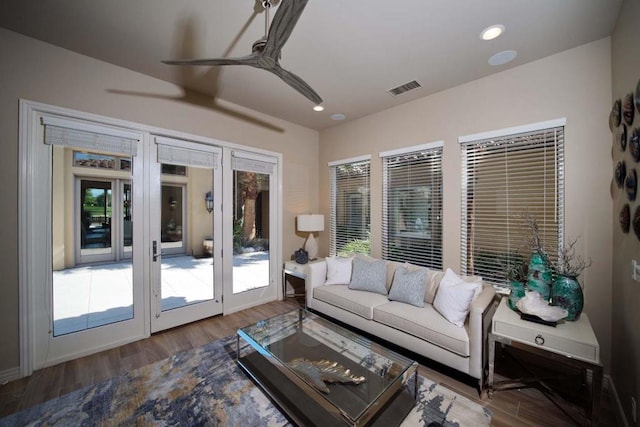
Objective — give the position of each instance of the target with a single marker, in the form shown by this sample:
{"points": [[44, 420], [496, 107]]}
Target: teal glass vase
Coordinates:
{"points": [[516, 294], [539, 279], [566, 292]]}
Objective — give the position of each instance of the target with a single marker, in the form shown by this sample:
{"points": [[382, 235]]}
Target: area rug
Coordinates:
{"points": [[205, 387]]}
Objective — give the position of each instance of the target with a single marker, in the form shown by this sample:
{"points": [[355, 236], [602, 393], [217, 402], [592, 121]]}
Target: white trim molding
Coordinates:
{"points": [[413, 149], [533, 127], [351, 160]]}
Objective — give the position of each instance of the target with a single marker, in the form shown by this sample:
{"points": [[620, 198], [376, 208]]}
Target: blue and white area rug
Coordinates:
{"points": [[205, 387]]}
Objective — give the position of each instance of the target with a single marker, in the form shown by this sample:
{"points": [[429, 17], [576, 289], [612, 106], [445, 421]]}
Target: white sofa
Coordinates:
{"points": [[422, 330]]}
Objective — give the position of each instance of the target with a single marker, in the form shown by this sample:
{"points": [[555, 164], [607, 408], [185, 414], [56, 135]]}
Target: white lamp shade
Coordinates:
{"points": [[310, 223]]}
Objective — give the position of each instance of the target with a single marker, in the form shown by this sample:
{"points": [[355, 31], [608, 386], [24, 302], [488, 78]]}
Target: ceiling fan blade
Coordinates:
{"points": [[250, 60], [297, 83], [284, 21]]}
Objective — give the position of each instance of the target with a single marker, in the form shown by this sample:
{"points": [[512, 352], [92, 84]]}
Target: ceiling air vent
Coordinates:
{"points": [[404, 88]]}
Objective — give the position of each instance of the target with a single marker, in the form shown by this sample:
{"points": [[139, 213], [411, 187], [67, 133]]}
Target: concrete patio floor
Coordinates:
{"points": [[93, 295]]}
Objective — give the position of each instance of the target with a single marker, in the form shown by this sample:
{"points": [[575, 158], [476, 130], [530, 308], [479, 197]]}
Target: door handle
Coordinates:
{"points": [[156, 255]]}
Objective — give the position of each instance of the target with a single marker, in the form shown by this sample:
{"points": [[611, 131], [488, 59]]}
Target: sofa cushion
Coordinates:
{"points": [[408, 286], [356, 302], [454, 297], [338, 270], [369, 276], [425, 323], [431, 283], [391, 267]]}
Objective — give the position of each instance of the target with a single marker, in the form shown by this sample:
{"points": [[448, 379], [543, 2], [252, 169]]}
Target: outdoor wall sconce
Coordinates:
{"points": [[208, 198]]}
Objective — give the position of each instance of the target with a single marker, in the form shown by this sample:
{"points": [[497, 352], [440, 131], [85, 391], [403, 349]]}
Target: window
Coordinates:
{"points": [[350, 207], [412, 205], [507, 176]]}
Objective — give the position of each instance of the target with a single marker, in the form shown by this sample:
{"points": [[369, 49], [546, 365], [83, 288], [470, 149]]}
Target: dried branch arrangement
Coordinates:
{"points": [[568, 264]]}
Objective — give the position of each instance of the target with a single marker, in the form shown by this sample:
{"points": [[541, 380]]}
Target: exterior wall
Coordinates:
{"points": [[574, 84], [625, 361], [40, 72]]}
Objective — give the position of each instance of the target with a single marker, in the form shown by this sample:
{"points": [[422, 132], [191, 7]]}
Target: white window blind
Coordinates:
{"points": [[185, 153], [505, 179], [86, 136], [250, 162], [350, 207], [412, 206]]}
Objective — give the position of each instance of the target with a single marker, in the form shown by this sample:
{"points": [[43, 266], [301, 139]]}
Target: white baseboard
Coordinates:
{"points": [[620, 416], [9, 375]]}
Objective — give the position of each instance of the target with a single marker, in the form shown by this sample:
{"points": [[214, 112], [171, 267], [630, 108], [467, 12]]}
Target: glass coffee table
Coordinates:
{"points": [[319, 373]]}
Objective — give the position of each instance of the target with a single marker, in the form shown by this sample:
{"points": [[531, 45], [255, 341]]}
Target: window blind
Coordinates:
{"points": [[250, 162], [186, 153], [350, 207], [412, 206], [86, 136], [504, 180]]}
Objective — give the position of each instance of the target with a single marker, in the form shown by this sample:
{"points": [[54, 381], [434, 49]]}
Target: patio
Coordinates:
{"points": [[94, 295]]}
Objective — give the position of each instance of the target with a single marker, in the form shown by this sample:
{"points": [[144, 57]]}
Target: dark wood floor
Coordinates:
{"points": [[510, 408]]}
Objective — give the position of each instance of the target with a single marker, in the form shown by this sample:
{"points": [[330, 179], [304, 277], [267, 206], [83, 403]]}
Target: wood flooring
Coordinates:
{"points": [[510, 408]]}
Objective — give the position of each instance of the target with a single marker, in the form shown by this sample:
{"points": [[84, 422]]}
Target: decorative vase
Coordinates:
{"points": [[516, 293], [566, 292], [539, 279]]}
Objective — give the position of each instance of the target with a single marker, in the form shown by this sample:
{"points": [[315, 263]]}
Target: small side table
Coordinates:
{"points": [[294, 273], [571, 344]]}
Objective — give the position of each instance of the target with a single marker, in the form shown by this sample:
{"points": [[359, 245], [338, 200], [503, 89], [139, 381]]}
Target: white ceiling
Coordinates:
{"points": [[350, 51]]}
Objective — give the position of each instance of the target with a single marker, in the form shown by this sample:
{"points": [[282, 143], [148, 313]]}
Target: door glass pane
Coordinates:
{"points": [[127, 220], [95, 211], [187, 240], [92, 284], [171, 208], [250, 231]]}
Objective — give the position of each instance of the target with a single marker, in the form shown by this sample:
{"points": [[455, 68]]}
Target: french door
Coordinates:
{"points": [[250, 210], [186, 230], [125, 233]]}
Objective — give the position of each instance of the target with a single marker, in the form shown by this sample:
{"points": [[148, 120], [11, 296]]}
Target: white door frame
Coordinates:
{"points": [[39, 348], [236, 302], [160, 319]]}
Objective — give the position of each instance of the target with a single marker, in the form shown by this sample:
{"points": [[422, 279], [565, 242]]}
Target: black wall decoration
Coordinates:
{"points": [[621, 122], [625, 218]]}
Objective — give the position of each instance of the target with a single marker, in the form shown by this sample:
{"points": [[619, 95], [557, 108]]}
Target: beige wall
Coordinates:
{"points": [[625, 361], [40, 72], [574, 84]]}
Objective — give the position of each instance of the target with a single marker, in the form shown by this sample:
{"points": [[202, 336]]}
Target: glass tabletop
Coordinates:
{"points": [[304, 345]]}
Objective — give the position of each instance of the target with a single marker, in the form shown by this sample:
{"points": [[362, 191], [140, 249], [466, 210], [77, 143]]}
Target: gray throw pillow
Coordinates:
{"points": [[409, 286], [369, 276]]}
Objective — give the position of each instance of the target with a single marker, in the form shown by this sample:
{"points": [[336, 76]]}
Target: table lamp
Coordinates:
{"points": [[311, 224]]}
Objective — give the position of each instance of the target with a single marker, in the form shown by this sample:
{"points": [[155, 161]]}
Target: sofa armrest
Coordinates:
{"points": [[316, 274], [480, 315]]}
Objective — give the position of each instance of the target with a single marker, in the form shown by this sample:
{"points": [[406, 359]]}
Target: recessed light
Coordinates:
{"points": [[338, 116], [492, 32], [318, 108], [503, 57]]}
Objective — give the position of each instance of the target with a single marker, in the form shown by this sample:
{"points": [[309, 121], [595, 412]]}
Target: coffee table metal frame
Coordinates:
{"points": [[273, 331]]}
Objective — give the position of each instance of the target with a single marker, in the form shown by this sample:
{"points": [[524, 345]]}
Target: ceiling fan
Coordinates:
{"points": [[266, 51]]}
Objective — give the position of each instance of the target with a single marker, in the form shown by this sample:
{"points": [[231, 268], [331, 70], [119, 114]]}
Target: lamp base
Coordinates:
{"points": [[311, 246]]}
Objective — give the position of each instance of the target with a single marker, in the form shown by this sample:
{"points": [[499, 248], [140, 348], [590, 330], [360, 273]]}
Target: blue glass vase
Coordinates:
{"points": [[566, 292]]}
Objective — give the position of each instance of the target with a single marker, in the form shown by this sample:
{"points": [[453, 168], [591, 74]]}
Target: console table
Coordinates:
{"points": [[571, 344]]}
